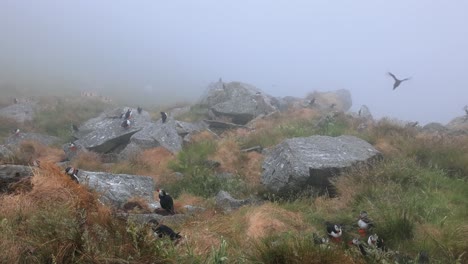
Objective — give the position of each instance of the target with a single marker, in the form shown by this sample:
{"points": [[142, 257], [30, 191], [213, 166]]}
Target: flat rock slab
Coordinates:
{"points": [[16, 140], [19, 112], [298, 163], [117, 189]]}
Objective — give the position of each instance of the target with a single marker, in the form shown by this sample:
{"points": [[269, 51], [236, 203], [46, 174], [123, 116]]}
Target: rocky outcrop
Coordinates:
{"points": [[5, 153], [300, 163], [186, 130], [339, 100], [434, 128], [15, 140], [105, 134], [20, 112], [365, 113], [13, 173], [459, 124], [235, 101], [227, 203], [117, 189]]}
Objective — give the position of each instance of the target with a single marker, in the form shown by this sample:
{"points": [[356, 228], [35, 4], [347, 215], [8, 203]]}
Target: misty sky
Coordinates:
{"points": [[283, 47]]}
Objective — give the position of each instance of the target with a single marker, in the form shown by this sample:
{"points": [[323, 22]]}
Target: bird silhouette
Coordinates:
{"points": [[397, 81]]}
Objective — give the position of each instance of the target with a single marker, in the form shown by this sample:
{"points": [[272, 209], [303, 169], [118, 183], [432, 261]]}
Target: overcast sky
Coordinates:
{"points": [[282, 47]]}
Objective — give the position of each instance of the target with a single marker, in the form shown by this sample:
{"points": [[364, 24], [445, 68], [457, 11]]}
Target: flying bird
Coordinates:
{"points": [[166, 201], [397, 81]]}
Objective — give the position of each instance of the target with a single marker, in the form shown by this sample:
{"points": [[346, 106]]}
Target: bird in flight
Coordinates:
{"points": [[397, 81]]}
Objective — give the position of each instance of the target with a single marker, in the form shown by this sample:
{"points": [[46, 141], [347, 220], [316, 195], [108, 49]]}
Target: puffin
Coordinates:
{"points": [[397, 81], [163, 231], [139, 110], [166, 201], [72, 172], [364, 223], [334, 231], [74, 128], [126, 123], [17, 132], [312, 101], [358, 244], [163, 116], [128, 114], [376, 242], [72, 146]]}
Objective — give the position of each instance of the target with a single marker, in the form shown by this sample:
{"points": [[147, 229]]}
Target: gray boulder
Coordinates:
{"points": [[434, 128], [459, 124], [300, 163], [227, 203], [5, 153], [236, 101], [117, 189], [13, 173], [16, 140], [339, 100], [365, 113], [105, 134], [19, 112], [154, 135]]}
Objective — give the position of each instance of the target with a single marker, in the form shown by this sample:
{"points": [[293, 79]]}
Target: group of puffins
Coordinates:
{"points": [[364, 223]]}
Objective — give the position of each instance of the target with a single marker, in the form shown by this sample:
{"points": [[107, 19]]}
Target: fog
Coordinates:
{"points": [[165, 51]]}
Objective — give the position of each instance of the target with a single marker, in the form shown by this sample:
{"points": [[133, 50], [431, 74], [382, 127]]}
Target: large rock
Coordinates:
{"points": [[16, 140], [434, 128], [227, 203], [236, 102], [20, 112], [299, 163], [117, 189], [365, 113], [105, 134], [13, 173], [459, 124], [339, 100]]}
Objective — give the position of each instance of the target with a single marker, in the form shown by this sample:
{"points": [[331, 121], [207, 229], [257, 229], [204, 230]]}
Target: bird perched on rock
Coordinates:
{"points": [[15, 100], [397, 81], [125, 124], [74, 128], [312, 101], [139, 110], [364, 223], [163, 116], [166, 201], [72, 172], [17, 132], [72, 146], [334, 231], [163, 231], [128, 114]]}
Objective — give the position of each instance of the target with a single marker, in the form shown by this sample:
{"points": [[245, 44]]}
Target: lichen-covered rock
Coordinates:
{"points": [[19, 112], [15, 140], [299, 163], [227, 203], [237, 102], [117, 189]]}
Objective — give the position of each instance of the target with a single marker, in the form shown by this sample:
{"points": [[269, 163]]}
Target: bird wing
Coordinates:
{"points": [[406, 79], [393, 76]]}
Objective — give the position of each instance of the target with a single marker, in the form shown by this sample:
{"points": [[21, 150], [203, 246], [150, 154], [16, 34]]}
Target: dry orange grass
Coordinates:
{"points": [[203, 136], [383, 145], [29, 151], [228, 154], [251, 168], [157, 160], [269, 219], [88, 160]]}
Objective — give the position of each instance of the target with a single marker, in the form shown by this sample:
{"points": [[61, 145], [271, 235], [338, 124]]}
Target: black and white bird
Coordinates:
{"points": [[166, 201], [126, 123], [72, 172], [466, 109], [72, 146], [364, 223], [163, 231], [334, 231], [139, 110], [358, 244], [15, 100], [312, 101], [397, 81], [376, 242], [163, 117], [17, 132], [128, 114]]}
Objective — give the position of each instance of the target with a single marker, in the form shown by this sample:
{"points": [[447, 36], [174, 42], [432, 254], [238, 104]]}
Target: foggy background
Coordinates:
{"points": [[167, 51]]}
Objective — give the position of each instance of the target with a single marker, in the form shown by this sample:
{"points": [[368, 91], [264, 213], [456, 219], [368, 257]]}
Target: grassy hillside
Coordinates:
{"points": [[417, 196]]}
